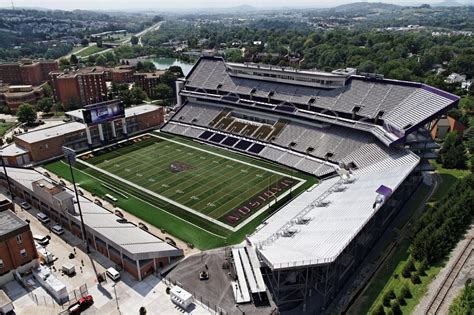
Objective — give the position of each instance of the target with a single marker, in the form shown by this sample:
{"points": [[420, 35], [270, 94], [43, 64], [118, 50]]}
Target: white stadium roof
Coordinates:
{"points": [[331, 227]]}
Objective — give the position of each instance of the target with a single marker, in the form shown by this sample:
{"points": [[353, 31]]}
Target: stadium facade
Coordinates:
{"points": [[363, 136]]}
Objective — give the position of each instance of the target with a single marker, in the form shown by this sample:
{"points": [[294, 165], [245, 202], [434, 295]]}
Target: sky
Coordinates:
{"points": [[189, 4]]}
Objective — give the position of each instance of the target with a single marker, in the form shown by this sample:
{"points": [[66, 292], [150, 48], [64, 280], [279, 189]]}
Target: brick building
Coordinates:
{"points": [[84, 86], [6, 203], [148, 81], [140, 253], [441, 127], [122, 74], [14, 95], [47, 143], [27, 72], [17, 247]]}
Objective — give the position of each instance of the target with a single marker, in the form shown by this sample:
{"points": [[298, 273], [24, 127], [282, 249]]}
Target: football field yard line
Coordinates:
{"points": [[184, 198], [137, 166], [232, 176], [252, 193], [236, 193], [154, 206], [225, 157], [152, 173], [151, 160], [160, 196]]}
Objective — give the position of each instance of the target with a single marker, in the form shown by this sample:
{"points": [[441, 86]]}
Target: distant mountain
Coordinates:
{"points": [[365, 7], [448, 3]]}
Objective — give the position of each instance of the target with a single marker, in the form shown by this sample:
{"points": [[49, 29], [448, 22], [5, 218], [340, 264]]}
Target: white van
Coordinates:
{"points": [[57, 229], [41, 239], [113, 274], [42, 217]]}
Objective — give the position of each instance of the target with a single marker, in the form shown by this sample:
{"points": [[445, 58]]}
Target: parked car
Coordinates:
{"points": [[81, 305], [41, 239], [42, 217], [57, 229], [113, 274], [25, 205]]}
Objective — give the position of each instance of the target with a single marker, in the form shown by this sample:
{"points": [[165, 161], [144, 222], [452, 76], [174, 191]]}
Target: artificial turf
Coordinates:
{"points": [[178, 222]]}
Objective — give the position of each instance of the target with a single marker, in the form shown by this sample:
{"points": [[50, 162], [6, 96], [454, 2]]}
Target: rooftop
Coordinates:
{"points": [[47, 133], [13, 150], [333, 212], [137, 242], [10, 223], [155, 74], [81, 71], [130, 111]]}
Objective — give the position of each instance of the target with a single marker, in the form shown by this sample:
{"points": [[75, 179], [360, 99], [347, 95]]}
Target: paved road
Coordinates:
{"points": [[126, 41]]}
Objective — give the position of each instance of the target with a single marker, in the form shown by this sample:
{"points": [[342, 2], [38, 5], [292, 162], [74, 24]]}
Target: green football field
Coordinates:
{"points": [[186, 193], [216, 186]]}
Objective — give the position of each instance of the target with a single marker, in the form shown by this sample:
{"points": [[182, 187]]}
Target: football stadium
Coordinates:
{"points": [[303, 169]]}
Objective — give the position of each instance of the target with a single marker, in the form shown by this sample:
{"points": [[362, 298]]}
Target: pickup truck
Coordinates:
{"points": [[81, 305]]}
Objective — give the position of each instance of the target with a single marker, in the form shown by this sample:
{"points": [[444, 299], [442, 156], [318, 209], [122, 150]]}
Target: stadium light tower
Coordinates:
{"points": [[70, 156]]}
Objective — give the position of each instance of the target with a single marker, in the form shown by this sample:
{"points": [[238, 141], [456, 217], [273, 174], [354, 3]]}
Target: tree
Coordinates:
{"points": [[45, 104], [99, 42], [26, 114], [415, 278], [138, 95], [85, 42], [74, 60], [401, 300], [134, 40], [163, 91], [387, 297], [378, 310], [177, 70], [139, 66], [64, 63], [367, 66], [47, 91], [408, 268], [422, 267], [405, 292], [101, 61], [453, 152], [395, 306], [72, 103]]}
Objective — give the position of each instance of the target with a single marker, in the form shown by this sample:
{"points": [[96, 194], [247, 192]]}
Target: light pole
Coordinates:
{"points": [[116, 299], [70, 155], [6, 176]]}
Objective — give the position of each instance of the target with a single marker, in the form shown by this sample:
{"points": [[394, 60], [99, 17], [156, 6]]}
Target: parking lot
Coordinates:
{"points": [[126, 298]]}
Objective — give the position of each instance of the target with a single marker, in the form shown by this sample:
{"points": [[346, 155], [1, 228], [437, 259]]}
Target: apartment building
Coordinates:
{"points": [[17, 247]]}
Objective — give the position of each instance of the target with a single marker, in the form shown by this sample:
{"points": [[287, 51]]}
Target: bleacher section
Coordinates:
{"points": [[249, 276], [197, 114], [337, 141], [373, 102], [324, 142], [270, 152]]}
